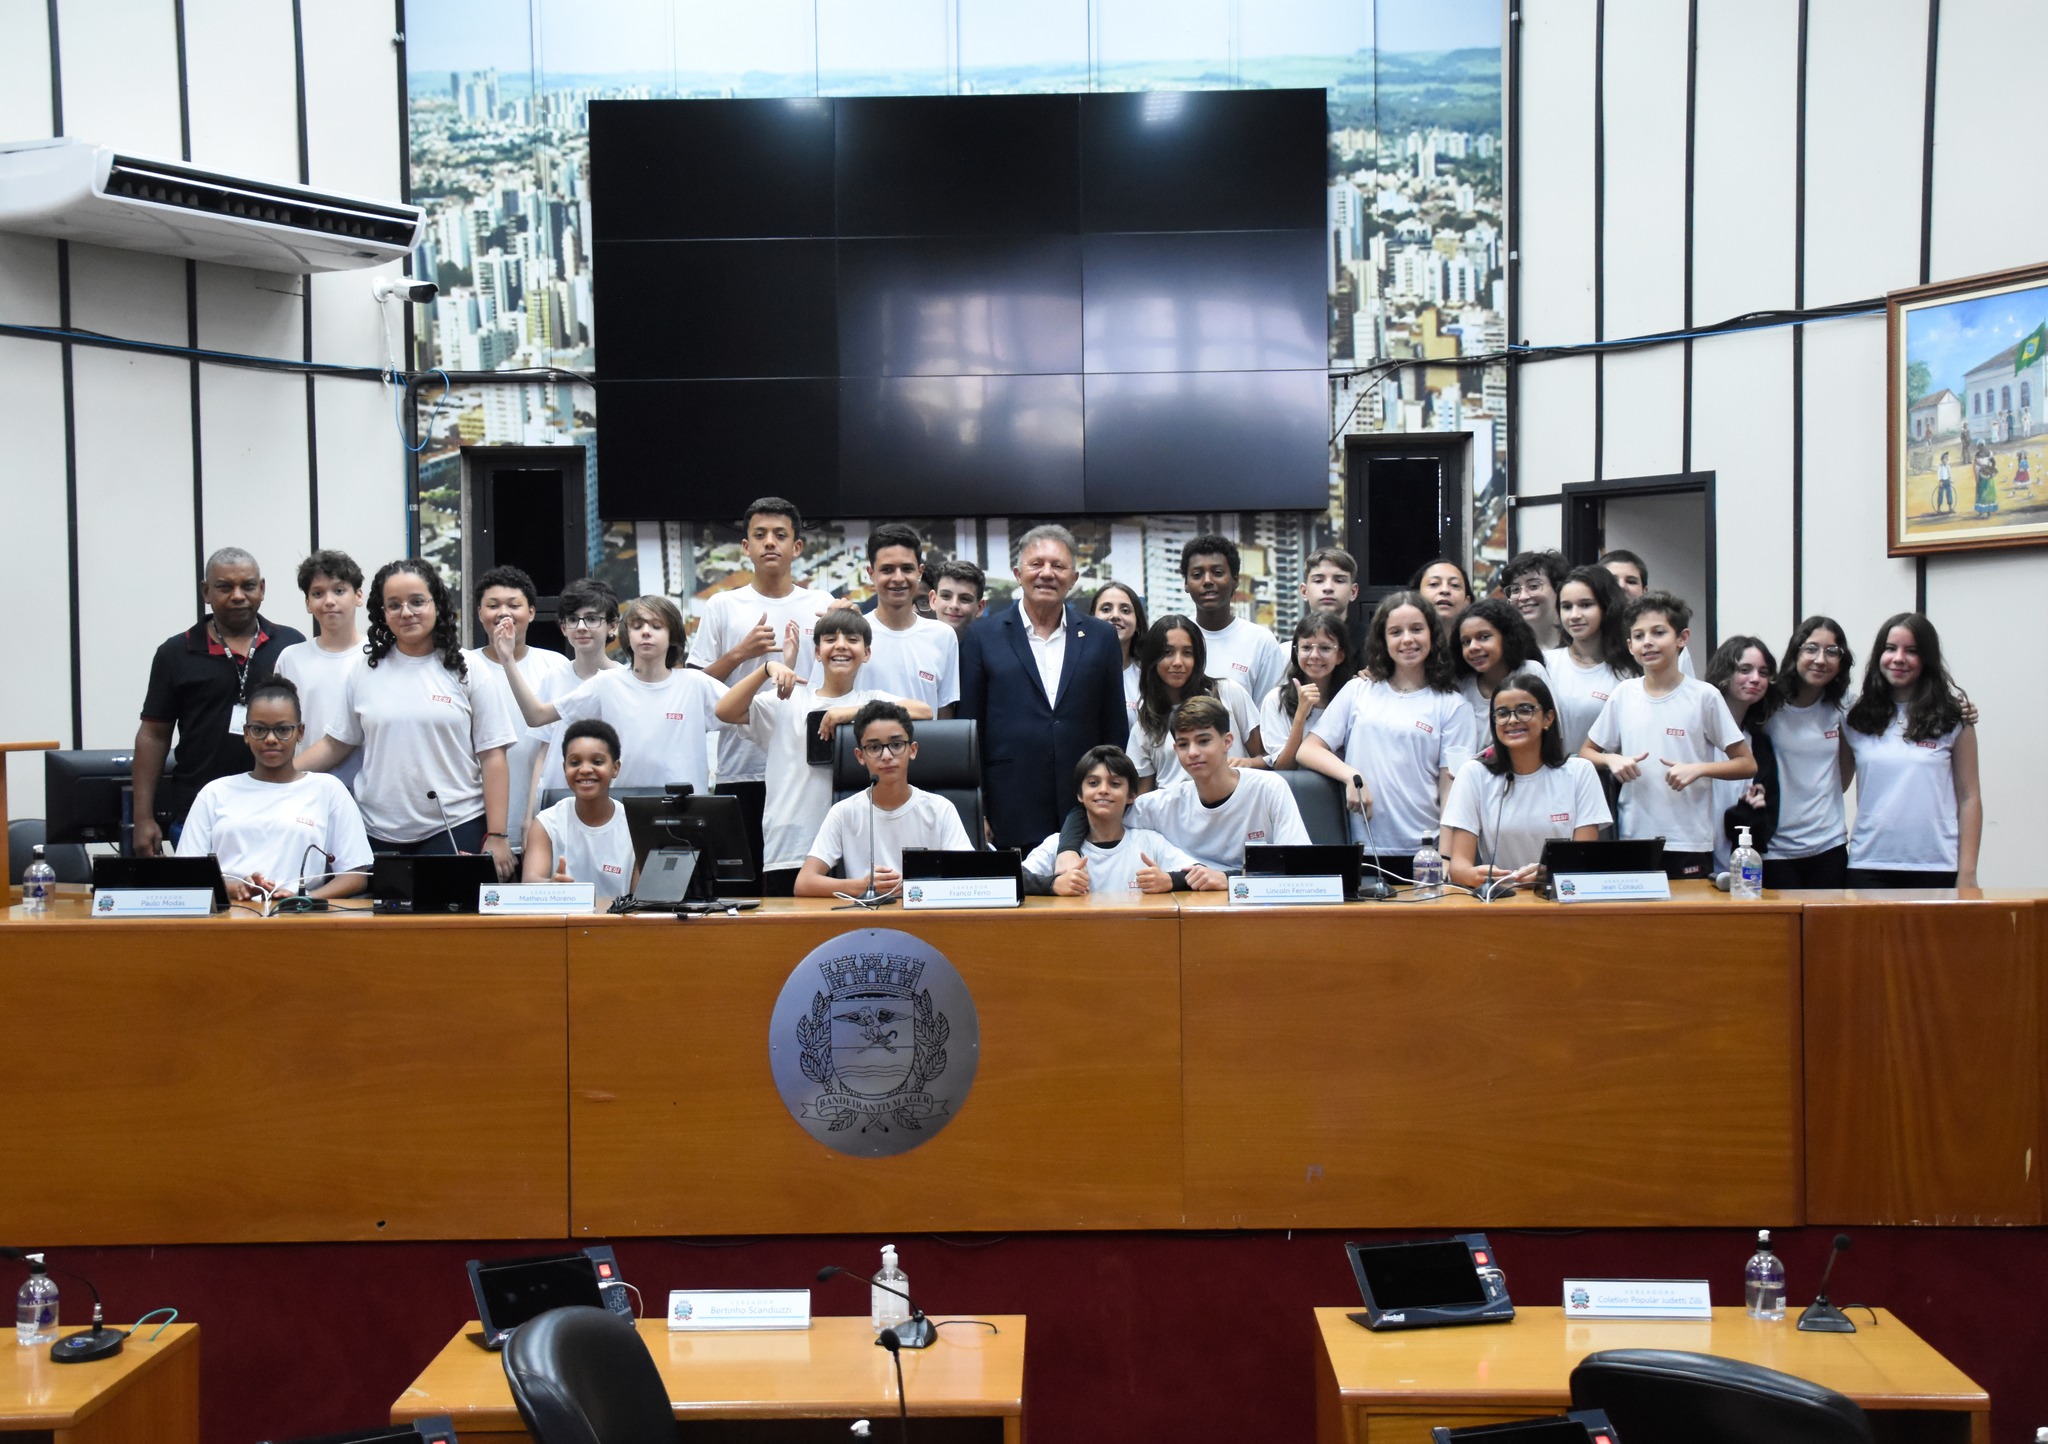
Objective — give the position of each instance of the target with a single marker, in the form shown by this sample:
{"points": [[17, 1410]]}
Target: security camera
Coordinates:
{"points": [[384, 288]]}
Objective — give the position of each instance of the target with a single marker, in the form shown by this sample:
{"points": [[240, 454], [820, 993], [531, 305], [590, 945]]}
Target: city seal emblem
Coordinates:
{"points": [[874, 1042]]}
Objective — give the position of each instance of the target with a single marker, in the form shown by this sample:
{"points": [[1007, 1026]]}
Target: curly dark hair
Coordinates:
{"points": [[1933, 710], [1613, 603], [1155, 707], [1518, 647], [1721, 666], [1437, 668], [447, 637], [1788, 681]]}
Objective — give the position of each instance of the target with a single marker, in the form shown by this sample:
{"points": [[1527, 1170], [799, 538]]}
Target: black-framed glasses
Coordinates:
{"points": [[1815, 649], [586, 621], [263, 731], [1520, 712], [894, 747]]}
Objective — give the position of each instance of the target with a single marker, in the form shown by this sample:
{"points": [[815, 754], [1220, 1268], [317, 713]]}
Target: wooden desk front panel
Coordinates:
{"points": [[146, 1394], [1073, 1122], [1924, 1063], [237, 1080], [1515, 1065]]}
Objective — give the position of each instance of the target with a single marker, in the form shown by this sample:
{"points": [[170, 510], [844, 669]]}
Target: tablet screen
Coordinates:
{"points": [[521, 1289], [1418, 1276], [1532, 1431]]}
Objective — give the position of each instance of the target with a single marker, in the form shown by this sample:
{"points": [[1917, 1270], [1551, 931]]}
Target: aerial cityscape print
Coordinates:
{"points": [[499, 92]]}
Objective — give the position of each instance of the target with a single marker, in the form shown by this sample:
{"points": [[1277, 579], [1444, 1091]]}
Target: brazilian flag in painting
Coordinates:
{"points": [[2030, 349]]}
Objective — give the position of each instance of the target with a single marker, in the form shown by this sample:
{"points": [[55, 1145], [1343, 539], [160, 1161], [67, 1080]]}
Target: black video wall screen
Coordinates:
{"points": [[961, 305]]}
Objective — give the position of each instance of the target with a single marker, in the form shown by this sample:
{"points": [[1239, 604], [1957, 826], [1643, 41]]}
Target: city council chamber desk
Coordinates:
{"points": [[146, 1394], [794, 1385], [1144, 1062], [1393, 1387]]}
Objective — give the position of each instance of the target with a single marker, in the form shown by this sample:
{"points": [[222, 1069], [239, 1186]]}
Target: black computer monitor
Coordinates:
{"points": [[86, 795], [709, 823]]}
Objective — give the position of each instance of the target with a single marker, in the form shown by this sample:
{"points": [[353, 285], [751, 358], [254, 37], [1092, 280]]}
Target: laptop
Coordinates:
{"points": [[430, 882], [162, 873]]}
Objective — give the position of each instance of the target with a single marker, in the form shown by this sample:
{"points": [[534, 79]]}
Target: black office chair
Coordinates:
{"points": [[1321, 803], [948, 762], [69, 859], [1663, 1396], [582, 1375]]}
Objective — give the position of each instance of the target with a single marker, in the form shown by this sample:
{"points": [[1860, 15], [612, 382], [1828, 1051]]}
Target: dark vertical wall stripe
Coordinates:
{"points": [[191, 319], [405, 357], [1799, 332], [1599, 234], [1927, 229], [72, 589], [1692, 98], [306, 292], [1512, 476]]}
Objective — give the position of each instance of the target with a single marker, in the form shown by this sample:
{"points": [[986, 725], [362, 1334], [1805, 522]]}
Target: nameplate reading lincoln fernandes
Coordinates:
{"points": [[874, 1042]]}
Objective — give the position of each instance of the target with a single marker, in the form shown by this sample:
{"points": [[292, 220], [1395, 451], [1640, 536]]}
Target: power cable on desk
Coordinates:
{"points": [[137, 1325]]}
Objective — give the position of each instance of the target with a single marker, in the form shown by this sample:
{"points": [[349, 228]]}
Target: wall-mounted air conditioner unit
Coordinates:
{"points": [[78, 191]]}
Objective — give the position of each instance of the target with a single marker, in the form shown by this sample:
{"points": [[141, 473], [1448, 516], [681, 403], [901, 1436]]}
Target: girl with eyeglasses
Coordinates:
{"points": [[1318, 666], [1520, 792], [1173, 665], [1811, 845], [1919, 814], [1742, 668], [278, 831]]}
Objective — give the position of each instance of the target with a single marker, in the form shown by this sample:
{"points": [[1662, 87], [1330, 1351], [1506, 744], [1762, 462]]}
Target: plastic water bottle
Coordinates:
{"points": [[1745, 869], [1428, 869], [38, 883], [886, 1310], [1763, 1282], [35, 1307]]}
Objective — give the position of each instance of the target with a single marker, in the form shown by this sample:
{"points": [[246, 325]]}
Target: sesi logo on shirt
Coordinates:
{"points": [[1600, 697], [1674, 731], [305, 822], [1930, 745], [437, 697], [1259, 836], [1425, 726], [1832, 734], [1560, 817], [924, 676], [677, 717], [613, 868]]}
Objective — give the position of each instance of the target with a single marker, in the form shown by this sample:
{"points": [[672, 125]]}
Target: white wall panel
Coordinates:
{"points": [[1744, 158], [1645, 131], [35, 704], [120, 74], [1643, 425], [1553, 425], [1555, 204], [1847, 573], [25, 77], [1990, 212], [135, 546], [28, 280], [253, 313], [362, 472], [243, 87], [1742, 432], [252, 456], [1866, 76], [2001, 668], [1539, 528], [352, 96], [131, 294]]}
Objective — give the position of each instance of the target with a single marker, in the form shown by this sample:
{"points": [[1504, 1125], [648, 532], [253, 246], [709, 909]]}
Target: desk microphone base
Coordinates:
{"points": [[1822, 1317], [918, 1332]]}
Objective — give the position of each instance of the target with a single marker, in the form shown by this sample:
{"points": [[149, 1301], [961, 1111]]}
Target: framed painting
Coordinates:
{"points": [[1968, 445]]}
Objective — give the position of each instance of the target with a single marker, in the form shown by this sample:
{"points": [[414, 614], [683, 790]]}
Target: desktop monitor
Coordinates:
{"points": [[710, 824], [86, 795]]}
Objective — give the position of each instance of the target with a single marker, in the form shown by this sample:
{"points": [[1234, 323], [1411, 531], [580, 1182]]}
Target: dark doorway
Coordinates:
{"points": [[1668, 521], [1406, 497], [524, 507]]}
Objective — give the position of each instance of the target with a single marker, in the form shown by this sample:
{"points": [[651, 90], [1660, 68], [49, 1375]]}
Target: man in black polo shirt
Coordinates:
{"points": [[196, 686]]}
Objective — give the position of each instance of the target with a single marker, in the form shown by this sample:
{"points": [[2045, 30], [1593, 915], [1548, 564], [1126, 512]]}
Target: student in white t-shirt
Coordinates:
{"points": [[1171, 669], [1446, 587], [584, 837], [868, 834], [1236, 649], [742, 628], [1124, 610], [276, 830], [1595, 660], [588, 614], [1218, 808], [1811, 846], [1741, 670], [775, 707], [1632, 575], [1662, 735], [433, 732], [319, 667], [911, 656], [663, 711], [1319, 665], [1396, 735], [1530, 581], [1919, 813], [1521, 791], [1493, 642], [1113, 858], [507, 593]]}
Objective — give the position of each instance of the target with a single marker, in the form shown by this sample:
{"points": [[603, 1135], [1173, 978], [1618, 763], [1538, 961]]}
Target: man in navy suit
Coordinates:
{"points": [[1046, 684]]}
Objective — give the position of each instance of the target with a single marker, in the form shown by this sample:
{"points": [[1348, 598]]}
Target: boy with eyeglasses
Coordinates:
{"points": [[872, 831], [588, 614]]}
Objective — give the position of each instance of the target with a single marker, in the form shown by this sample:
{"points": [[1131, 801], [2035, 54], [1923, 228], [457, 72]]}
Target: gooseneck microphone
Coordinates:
{"points": [[1498, 887], [1822, 1317], [1372, 883], [446, 826], [916, 1332], [888, 1340], [870, 899]]}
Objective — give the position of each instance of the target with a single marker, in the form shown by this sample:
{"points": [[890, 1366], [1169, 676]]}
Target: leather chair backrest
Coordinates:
{"points": [[581, 1375], [69, 860], [1321, 802], [1663, 1396], [948, 762]]}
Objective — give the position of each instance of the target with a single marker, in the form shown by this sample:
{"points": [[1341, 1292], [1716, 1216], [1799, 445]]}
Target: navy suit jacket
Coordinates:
{"points": [[1031, 742]]}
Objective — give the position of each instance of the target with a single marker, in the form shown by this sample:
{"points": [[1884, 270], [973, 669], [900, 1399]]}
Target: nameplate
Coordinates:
{"points": [[1637, 1299], [1268, 891], [961, 892], [530, 899], [1609, 886], [153, 902], [709, 1310]]}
